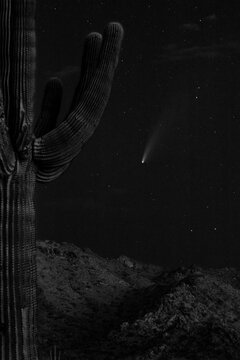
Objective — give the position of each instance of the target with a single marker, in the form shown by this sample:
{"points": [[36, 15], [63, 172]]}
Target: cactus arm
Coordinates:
{"points": [[50, 107], [58, 147], [52, 101], [90, 57], [46, 175], [46, 122]]}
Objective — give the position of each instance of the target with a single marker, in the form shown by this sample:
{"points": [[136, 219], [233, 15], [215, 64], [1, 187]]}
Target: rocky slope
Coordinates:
{"points": [[95, 308]]}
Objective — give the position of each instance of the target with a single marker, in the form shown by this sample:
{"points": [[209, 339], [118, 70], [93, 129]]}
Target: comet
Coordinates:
{"points": [[146, 153], [173, 112], [151, 144]]}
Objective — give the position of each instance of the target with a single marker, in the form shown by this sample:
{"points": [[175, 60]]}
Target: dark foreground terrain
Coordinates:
{"points": [[96, 308]]}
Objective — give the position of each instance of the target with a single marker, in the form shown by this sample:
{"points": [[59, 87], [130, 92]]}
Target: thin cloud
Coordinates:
{"points": [[174, 53], [210, 18], [191, 27]]}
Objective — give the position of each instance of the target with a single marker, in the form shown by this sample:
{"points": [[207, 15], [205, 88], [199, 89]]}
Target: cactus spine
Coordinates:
{"points": [[37, 151]]}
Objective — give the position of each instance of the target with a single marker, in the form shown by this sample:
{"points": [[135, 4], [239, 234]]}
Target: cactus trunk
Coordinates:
{"points": [[18, 268]]}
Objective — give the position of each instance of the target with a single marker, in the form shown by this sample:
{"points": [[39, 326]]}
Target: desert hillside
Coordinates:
{"points": [[96, 308]]}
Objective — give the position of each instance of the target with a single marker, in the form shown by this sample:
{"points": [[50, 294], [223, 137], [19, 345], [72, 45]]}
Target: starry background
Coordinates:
{"points": [[175, 102]]}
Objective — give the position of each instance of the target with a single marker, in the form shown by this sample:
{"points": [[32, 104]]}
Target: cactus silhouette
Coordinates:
{"points": [[37, 153]]}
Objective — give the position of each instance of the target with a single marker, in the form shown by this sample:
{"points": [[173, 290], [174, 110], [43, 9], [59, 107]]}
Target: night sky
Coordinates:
{"points": [[175, 105]]}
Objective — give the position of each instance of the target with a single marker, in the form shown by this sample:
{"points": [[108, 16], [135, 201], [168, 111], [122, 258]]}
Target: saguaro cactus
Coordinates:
{"points": [[40, 153]]}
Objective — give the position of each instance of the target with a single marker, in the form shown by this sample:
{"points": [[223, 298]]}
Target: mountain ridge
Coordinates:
{"points": [[96, 308]]}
